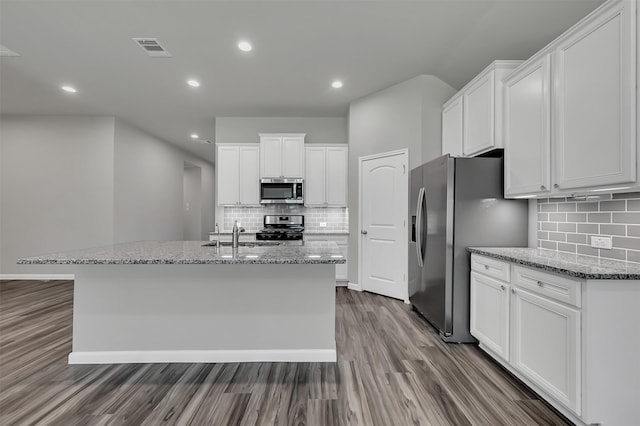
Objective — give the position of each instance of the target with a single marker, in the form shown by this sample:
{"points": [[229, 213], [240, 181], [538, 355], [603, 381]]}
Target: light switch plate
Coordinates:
{"points": [[601, 242]]}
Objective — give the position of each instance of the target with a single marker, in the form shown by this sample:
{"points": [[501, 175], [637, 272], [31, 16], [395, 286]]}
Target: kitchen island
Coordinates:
{"points": [[180, 301]]}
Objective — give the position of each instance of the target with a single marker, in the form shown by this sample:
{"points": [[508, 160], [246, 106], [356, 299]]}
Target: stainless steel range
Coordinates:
{"points": [[284, 228]]}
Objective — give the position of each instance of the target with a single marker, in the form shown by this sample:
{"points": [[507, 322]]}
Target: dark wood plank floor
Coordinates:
{"points": [[392, 369]]}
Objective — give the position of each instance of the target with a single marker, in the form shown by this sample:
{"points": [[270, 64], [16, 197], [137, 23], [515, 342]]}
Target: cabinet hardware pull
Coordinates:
{"points": [[486, 266], [513, 290], [363, 232], [502, 287], [555, 185], [540, 283], [542, 187]]}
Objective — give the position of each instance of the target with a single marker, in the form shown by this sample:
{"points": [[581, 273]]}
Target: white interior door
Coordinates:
{"points": [[384, 198]]}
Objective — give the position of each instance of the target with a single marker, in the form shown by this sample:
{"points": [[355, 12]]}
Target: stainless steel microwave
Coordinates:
{"points": [[281, 191]]}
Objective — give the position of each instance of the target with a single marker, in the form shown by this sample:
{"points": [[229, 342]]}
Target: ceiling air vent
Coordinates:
{"points": [[7, 52], [152, 47]]}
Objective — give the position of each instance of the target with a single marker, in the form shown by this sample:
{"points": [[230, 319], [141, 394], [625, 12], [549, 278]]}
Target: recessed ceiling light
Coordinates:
{"points": [[337, 84], [195, 136], [245, 46], [193, 83], [68, 88]]}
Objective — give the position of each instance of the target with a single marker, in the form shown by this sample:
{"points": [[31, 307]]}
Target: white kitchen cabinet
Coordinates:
{"points": [[452, 121], [527, 129], [594, 100], [592, 112], [342, 241], [326, 175], [282, 155], [574, 341], [490, 313], [472, 118], [238, 179], [482, 102], [545, 345]]}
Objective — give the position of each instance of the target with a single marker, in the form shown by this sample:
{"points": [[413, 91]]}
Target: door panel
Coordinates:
{"points": [[384, 201], [434, 299]]}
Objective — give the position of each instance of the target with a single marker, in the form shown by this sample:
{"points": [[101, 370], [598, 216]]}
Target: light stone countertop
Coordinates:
{"points": [[575, 265], [193, 252]]}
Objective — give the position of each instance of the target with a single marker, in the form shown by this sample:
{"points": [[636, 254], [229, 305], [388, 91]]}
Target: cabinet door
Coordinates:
{"points": [[452, 128], [490, 313], [227, 185], [270, 157], [545, 346], [594, 102], [478, 116], [249, 176], [293, 157], [315, 176], [527, 114], [337, 163]]}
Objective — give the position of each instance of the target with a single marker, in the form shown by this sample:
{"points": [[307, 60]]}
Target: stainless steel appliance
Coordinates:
{"points": [[281, 191], [282, 228], [456, 203]]}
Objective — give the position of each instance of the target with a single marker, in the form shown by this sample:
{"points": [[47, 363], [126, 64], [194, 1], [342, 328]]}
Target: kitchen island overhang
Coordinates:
{"points": [[176, 301]]}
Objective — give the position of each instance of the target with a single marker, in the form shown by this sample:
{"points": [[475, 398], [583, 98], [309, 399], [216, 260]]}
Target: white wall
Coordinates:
{"points": [[246, 129], [407, 115], [149, 179], [56, 187], [75, 182], [192, 203]]}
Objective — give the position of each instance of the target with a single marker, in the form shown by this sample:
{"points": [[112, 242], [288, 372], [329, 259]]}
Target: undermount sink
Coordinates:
{"points": [[244, 243]]}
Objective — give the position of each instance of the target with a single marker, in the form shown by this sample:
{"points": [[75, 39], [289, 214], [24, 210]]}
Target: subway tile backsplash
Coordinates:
{"points": [[336, 218], [567, 225]]}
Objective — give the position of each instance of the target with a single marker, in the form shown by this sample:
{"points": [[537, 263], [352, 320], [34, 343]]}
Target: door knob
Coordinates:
{"points": [[363, 232]]}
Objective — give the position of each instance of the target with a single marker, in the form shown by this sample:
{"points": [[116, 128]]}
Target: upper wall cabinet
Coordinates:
{"points": [[586, 133], [282, 155], [527, 130], [452, 127], [325, 175], [237, 181], [595, 99], [477, 108]]}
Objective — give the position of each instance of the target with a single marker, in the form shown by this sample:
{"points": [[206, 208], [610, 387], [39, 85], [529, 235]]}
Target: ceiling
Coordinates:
{"points": [[300, 47]]}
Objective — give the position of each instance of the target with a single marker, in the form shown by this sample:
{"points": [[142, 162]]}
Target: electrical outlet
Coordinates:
{"points": [[601, 242], [323, 224]]}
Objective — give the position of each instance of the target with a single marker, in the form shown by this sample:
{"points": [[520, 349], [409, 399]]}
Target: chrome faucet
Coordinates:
{"points": [[218, 240], [235, 238]]}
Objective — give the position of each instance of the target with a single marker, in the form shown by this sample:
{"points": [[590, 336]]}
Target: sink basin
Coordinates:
{"points": [[244, 244]]}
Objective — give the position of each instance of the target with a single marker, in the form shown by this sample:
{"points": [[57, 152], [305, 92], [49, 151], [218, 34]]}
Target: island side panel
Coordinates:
{"points": [[203, 313]]}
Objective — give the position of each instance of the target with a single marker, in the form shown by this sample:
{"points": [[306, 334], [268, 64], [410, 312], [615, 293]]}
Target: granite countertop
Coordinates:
{"points": [[193, 252], [575, 265]]}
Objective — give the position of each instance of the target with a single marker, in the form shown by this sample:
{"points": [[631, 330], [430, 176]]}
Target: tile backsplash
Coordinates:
{"points": [[336, 218], [568, 225]]}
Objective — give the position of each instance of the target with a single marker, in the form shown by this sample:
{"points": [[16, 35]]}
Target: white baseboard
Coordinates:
{"points": [[213, 356], [342, 283], [37, 277], [354, 286]]}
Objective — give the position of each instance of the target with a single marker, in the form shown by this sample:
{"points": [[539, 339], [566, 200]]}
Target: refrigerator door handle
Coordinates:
{"points": [[419, 227]]}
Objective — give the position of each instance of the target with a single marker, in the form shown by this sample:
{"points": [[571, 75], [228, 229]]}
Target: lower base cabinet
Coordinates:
{"points": [[574, 341], [545, 345], [342, 241]]}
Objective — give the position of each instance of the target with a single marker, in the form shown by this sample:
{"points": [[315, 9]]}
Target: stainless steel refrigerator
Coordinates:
{"points": [[456, 203]]}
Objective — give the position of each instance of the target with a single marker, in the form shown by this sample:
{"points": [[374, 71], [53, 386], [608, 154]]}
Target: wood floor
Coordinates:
{"points": [[392, 370]]}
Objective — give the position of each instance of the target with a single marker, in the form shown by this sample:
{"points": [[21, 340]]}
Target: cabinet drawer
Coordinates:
{"points": [[553, 286], [339, 239], [491, 267]]}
